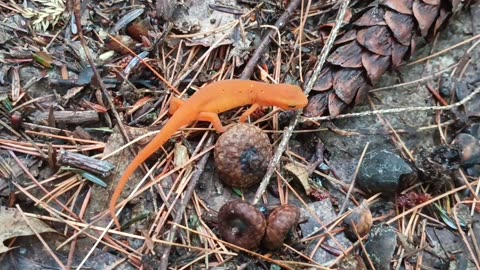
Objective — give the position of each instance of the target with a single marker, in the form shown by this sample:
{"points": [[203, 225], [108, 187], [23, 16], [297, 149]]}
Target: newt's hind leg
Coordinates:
{"points": [[175, 103], [212, 118], [244, 116]]}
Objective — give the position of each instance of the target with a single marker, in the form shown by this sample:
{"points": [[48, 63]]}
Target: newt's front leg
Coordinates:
{"points": [[212, 118]]}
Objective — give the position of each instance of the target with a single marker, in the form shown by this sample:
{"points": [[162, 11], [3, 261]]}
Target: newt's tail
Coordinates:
{"points": [[175, 122]]}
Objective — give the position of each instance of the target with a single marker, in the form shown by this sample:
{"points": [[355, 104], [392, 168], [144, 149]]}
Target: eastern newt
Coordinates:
{"points": [[205, 105]]}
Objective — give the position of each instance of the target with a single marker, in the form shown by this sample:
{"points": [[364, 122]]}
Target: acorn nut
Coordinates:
{"points": [[279, 222], [359, 222], [241, 224], [242, 155], [16, 120]]}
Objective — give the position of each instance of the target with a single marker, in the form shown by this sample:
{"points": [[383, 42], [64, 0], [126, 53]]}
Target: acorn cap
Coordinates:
{"points": [[279, 222], [241, 224], [242, 155]]}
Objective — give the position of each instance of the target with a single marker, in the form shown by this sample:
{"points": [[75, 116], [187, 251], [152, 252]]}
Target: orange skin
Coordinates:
{"points": [[205, 105]]}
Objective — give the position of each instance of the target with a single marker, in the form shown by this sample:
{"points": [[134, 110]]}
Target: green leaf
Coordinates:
{"points": [[102, 129], [237, 191], [43, 59], [86, 175], [448, 220]]}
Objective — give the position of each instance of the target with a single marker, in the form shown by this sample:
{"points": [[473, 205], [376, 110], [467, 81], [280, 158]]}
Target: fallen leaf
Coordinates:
{"points": [[301, 173], [181, 155], [210, 18], [12, 224], [43, 59]]}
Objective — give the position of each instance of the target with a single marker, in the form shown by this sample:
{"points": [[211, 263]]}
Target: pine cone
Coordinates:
{"points": [[381, 37]]}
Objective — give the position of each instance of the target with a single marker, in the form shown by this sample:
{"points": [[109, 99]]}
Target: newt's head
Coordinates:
{"points": [[283, 96]]}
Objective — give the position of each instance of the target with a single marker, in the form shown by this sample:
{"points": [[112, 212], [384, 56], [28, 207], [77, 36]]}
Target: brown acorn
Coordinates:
{"points": [[360, 220], [279, 222], [16, 120], [242, 155], [241, 224]]}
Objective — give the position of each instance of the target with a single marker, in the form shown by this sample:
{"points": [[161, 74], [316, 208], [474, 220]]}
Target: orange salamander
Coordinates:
{"points": [[205, 105]]}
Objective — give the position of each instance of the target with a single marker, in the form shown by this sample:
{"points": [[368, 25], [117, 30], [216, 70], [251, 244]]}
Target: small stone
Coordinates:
{"points": [[325, 213], [380, 246], [469, 149], [385, 172]]}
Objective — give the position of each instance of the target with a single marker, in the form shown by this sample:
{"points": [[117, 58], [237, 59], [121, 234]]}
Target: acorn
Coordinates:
{"points": [[242, 155], [360, 220], [279, 222], [241, 224], [16, 120]]}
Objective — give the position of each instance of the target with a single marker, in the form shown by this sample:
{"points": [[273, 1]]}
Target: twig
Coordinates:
{"points": [[97, 75], [396, 110], [248, 70], [119, 233], [69, 117], [311, 82], [183, 204]]}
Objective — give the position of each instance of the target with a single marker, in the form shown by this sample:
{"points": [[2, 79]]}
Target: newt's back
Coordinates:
{"points": [[224, 95]]}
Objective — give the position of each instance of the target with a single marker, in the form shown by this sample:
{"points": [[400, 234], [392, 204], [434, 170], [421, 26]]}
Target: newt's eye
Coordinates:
{"points": [[292, 106]]}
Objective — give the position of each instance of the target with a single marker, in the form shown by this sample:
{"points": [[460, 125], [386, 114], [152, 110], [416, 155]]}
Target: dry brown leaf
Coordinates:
{"points": [[301, 173], [200, 17], [12, 224]]}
